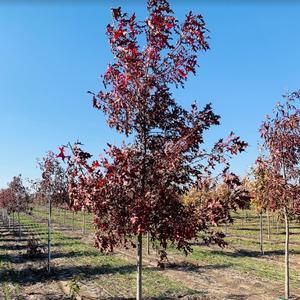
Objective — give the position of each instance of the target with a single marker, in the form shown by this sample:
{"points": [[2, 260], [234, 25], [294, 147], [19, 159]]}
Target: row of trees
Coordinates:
{"points": [[162, 181], [277, 172], [13, 200]]}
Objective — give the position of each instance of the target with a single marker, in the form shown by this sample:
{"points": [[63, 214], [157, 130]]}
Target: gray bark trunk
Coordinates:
{"points": [[139, 267], [286, 258], [19, 226], [148, 244], [49, 233], [83, 222], [261, 234], [73, 221], [269, 227]]}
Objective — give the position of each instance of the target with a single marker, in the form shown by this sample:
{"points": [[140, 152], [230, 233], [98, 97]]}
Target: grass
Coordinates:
{"points": [[243, 254], [114, 274], [256, 267], [111, 272]]}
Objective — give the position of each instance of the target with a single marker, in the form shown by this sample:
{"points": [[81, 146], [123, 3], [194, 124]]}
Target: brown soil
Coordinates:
{"points": [[219, 283], [20, 270]]}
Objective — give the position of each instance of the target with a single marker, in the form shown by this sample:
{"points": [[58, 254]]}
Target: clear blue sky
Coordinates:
{"points": [[51, 54]]}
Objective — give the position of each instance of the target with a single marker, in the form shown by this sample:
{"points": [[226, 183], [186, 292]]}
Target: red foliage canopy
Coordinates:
{"points": [[139, 187], [54, 181], [281, 137], [15, 197]]}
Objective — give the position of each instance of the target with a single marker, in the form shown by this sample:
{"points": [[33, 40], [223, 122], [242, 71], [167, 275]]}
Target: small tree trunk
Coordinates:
{"points": [[64, 217], [83, 222], [261, 234], [139, 267], [73, 221], [286, 259], [49, 233], [148, 244], [8, 222], [13, 217], [269, 228], [19, 225]]}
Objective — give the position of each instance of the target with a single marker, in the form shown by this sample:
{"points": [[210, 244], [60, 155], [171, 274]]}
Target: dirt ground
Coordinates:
{"points": [[217, 281]]}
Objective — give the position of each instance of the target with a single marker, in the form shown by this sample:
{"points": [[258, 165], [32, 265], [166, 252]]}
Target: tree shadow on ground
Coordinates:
{"points": [[191, 267], [33, 275], [252, 253]]}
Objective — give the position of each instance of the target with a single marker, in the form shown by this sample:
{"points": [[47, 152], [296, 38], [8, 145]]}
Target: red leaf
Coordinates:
{"points": [[169, 25], [182, 74], [61, 153]]}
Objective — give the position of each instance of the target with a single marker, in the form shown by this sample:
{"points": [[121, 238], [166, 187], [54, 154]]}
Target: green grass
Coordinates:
{"points": [[65, 217], [245, 258], [244, 255], [109, 271], [239, 262]]}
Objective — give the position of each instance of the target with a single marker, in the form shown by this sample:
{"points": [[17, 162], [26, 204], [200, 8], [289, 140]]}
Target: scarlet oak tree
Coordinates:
{"points": [[138, 188], [53, 188], [53, 182], [15, 198], [260, 188], [281, 139]]}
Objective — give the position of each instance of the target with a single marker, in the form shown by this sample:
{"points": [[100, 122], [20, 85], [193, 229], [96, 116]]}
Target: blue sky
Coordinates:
{"points": [[51, 54]]}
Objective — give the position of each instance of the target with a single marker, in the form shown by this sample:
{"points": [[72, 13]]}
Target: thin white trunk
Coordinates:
{"points": [[261, 234], [286, 259], [139, 267], [148, 243], [19, 226], [83, 222], [269, 228], [64, 217], [49, 233], [73, 221]]}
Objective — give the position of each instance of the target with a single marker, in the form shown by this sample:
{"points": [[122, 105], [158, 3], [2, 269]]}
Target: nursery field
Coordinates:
{"points": [[79, 271]]}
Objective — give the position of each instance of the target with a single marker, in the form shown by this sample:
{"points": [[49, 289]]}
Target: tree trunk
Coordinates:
{"points": [[269, 228], [49, 233], [13, 217], [148, 244], [19, 225], [286, 259], [261, 234], [73, 221], [83, 222], [64, 217], [139, 267]]}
